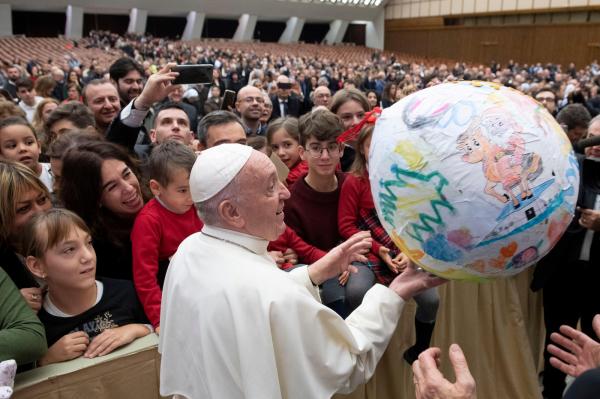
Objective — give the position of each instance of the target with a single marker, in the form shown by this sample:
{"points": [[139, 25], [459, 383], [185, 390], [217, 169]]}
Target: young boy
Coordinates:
{"points": [[311, 211], [163, 223]]}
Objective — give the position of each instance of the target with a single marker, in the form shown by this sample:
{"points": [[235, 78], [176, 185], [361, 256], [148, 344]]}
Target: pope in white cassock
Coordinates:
{"points": [[235, 326]]}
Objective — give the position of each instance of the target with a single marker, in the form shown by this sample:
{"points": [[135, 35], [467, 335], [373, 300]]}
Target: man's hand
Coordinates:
{"points": [[589, 219], [339, 259], [33, 297], [582, 354], [157, 87], [113, 338], [412, 281], [430, 382], [68, 347]]}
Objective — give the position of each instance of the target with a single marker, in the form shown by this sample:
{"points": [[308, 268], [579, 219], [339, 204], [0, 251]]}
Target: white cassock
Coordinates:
{"points": [[235, 326]]}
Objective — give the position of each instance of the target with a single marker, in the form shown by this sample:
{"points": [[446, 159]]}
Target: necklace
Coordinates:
{"points": [[227, 241]]}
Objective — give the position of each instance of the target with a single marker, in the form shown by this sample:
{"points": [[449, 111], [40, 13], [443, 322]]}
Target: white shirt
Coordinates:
{"points": [[235, 326], [30, 110], [47, 177]]}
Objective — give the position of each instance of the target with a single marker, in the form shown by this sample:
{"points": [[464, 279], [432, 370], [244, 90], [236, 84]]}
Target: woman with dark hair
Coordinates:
{"points": [[373, 98], [100, 183], [388, 96]]}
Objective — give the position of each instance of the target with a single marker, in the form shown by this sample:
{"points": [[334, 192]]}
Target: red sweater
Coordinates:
{"points": [[298, 171], [156, 234], [357, 213], [307, 254], [313, 215]]}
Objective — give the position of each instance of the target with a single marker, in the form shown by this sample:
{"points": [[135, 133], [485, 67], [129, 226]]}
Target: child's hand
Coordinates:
{"points": [[392, 264], [277, 257], [290, 256], [113, 338], [402, 261], [33, 297], [68, 347], [343, 278]]}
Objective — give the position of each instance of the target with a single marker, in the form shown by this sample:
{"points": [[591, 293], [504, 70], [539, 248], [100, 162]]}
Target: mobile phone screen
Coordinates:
{"points": [[201, 73]]}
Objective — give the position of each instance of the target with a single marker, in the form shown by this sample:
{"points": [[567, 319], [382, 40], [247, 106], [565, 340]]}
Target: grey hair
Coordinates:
{"points": [[208, 210], [595, 119]]}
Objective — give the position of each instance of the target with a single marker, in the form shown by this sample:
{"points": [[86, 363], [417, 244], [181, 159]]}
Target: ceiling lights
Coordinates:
{"points": [[351, 3]]}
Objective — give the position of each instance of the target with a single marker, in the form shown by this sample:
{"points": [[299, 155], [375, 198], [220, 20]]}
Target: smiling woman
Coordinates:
{"points": [[99, 183]]}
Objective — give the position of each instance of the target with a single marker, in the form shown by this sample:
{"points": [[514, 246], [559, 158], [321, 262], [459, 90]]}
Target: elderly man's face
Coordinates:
{"points": [[262, 205], [322, 96]]}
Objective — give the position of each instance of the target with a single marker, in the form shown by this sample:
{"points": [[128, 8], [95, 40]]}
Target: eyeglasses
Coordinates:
{"points": [[315, 150], [545, 99]]}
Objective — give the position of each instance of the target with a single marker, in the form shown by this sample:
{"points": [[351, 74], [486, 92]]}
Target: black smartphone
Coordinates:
{"points": [[228, 100], [200, 73]]}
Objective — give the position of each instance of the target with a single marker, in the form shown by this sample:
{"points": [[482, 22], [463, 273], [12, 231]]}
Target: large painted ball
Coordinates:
{"points": [[472, 180]]}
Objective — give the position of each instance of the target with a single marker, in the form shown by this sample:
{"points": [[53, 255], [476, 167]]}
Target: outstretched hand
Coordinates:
{"points": [[582, 354], [340, 258], [430, 383], [413, 281], [157, 87]]}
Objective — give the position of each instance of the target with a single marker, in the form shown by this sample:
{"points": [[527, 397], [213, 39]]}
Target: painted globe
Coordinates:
{"points": [[472, 180]]}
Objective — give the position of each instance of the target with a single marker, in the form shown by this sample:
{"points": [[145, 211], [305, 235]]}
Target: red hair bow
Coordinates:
{"points": [[352, 133]]}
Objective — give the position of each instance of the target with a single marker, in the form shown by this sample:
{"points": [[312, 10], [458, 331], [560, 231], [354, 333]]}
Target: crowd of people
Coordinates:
{"points": [[100, 184]]}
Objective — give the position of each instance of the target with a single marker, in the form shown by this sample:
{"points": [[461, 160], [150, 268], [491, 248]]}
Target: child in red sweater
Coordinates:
{"points": [[290, 249], [165, 221], [357, 212], [283, 138]]}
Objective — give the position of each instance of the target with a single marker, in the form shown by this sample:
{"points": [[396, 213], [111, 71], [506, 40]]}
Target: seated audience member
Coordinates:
{"points": [[73, 93], [128, 77], [547, 98], [44, 86], [99, 183], [22, 196], [267, 109], [40, 116], [283, 138], [22, 336], [19, 143], [574, 118], [81, 315], [220, 127], [28, 101], [214, 102], [249, 105], [9, 108], [67, 117], [102, 98], [356, 213], [388, 96], [373, 98], [350, 105], [311, 211], [430, 383], [61, 145], [163, 223], [321, 96], [285, 102]]}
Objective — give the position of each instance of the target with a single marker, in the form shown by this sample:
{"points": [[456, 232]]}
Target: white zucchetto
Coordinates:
{"points": [[215, 168]]}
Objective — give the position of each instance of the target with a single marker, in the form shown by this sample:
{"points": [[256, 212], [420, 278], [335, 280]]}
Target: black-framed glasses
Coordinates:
{"points": [[315, 150]]}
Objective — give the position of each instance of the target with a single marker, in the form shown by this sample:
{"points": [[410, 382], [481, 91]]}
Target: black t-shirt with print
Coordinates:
{"points": [[118, 306]]}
